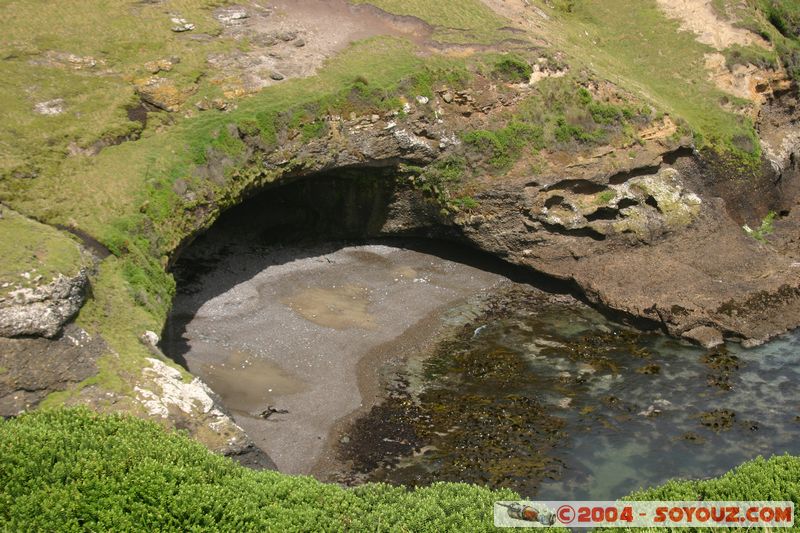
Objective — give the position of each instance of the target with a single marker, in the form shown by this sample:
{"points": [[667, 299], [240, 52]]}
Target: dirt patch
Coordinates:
{"points": [[520, 12], [698, 17], [744, 81], [292, 38]]}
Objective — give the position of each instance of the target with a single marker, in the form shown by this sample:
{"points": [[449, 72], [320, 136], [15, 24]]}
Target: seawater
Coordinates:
{"points": [[612, 409]]}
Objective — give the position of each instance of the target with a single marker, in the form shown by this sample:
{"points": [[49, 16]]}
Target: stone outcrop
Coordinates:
{"points": [[42, 310], [650, 233], [31, 368], [191, 405]]}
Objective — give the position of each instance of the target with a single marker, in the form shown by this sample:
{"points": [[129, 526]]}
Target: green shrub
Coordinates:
{"points": [[766, 228], [566, 6], [743, 55], [313, 130], [513, 68], [465, 203], [784, 15], [566, 132], [504, 146], [74, 470], [774, 479]]}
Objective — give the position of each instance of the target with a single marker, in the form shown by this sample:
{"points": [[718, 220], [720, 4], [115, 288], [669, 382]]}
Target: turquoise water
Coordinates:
{"points": [[610, 409], [618, 449]]}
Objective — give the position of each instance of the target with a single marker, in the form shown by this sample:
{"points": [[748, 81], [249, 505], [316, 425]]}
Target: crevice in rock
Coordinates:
{"points": [[604, 213], [577, 186], [623, 177], [138, 113], [670, 158], [575, 232], [90, 243]]}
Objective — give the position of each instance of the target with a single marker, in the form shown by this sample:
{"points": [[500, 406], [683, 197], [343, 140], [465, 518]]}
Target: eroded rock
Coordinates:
{"points": [[50, 107], [42, 310], [164, 393], [162, 93], [32, 368], [181, 25], [705, 336]]}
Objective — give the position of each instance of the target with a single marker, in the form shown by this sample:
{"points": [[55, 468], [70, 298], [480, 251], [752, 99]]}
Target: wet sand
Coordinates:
{"points": [[306, 330]]}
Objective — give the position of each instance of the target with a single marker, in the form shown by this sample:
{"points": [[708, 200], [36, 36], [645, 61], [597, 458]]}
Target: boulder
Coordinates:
{"points": [[42, 311]]}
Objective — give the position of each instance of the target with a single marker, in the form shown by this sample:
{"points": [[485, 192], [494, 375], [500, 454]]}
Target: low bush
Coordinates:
{"points": [[513, 68], [75, 470], [503, 146]]}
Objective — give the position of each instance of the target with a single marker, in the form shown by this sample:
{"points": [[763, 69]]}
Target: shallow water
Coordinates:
{"points": [[610, 409]]}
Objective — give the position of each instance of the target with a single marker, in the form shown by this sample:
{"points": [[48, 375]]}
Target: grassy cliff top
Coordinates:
{"points": [[33, 254]]}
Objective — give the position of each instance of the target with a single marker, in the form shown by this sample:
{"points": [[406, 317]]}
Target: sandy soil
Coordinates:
{"points": [[305, 331], [698, 16]]}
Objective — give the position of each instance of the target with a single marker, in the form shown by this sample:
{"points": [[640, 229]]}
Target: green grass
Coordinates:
{"points": [[784, 15], [782, 27], [29, 247], [513, 68], [604, 197], [438, 180], [560, 114], [124, 195], [462, 21], [75, 470], [752, 55], [502, 147], [114, 312], [765, 229], [121, 36], [777, 21], [644, 52]]}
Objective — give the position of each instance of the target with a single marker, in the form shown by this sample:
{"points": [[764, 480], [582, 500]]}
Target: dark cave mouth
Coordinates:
{"points": [[356, 205], [328, 211]]}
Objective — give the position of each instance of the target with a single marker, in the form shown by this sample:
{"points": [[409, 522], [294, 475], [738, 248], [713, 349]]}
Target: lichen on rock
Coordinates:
{"points": [[164, 393], [43, 310]]}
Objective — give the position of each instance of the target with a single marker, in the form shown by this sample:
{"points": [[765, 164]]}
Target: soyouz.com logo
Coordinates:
{"points": [[577, 514]]}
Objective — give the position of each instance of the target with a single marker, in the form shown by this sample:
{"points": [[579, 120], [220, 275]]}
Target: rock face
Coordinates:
{"points": [[653, 234], [660, 249], [43, 310], [162, 93], [164, 394], [32, 368]]}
